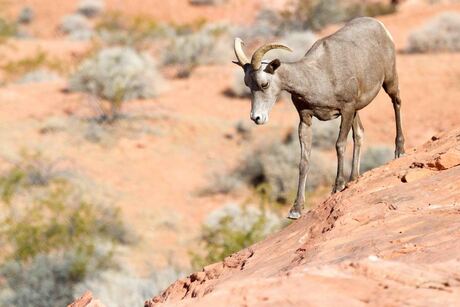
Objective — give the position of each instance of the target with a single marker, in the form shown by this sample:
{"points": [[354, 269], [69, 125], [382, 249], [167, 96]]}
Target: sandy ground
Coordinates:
{"points": [[155, 175]]}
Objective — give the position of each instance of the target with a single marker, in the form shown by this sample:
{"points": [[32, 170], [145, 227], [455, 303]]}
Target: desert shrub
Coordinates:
{"points": [[376, 156], [91, 8], [39, 75], [209, 45], [118, 74], [325, 134], [316, 14], [76, 26], [232, 228], [52, 236], [44, 281], [207, 2], [26, 15], [441, 34], [125, 288], [7, 28], [30, 170], [39, 61], [114, 28], [273, 170]]}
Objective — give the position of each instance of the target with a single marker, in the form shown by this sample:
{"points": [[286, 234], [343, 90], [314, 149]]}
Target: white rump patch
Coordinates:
{"points": [[386, 30]]}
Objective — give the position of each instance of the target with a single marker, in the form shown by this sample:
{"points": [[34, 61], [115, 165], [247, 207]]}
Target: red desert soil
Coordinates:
{"points": [[389, 239], [156, 176]]}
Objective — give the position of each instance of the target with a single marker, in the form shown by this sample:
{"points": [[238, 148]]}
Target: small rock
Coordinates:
{"points": [[415, 174], [448, 160]]}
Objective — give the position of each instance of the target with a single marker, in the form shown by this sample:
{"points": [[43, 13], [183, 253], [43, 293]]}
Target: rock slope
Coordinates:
{"points": [[391, 238]]}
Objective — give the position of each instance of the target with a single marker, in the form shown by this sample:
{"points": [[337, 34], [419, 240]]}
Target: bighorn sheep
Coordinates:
{"points": [[339, 75]]}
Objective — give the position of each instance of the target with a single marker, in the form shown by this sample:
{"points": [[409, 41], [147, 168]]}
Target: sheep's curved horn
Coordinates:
{"points": [[256, 59], [238, 48]]}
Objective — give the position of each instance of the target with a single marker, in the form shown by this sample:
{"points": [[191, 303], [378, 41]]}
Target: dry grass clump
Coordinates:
{"points": [[440, 34]]}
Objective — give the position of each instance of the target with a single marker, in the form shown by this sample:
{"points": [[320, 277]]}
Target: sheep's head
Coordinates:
{"points": [[261, 78]]}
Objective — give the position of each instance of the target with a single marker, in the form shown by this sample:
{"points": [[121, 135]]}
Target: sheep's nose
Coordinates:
{"points": [[258, 119]]}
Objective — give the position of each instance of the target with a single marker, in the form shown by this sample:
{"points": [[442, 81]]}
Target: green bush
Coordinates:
{"points": [[232, 228]]}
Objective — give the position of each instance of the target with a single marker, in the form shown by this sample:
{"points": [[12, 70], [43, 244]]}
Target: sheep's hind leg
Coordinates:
{"points": [[358, 134], [341, 145], [305, 137], [392, 89]]}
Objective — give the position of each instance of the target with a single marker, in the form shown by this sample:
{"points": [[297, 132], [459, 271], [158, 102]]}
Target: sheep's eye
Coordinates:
{"points": [[264, 86]]}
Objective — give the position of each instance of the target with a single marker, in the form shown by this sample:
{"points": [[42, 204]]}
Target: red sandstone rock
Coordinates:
{"points": [[86, 300], [381, 242]]}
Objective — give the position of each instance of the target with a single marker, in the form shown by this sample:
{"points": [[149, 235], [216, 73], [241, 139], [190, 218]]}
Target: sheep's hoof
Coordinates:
{"points": [[294, 215]]}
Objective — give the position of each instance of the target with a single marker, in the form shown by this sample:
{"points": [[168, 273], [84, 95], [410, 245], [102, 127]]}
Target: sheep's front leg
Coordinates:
{"points": [[305, 138], [358, 134], [341, 145]]}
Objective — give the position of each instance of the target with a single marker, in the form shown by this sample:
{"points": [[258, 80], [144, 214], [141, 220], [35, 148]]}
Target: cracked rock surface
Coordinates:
{"points": [[384, 241]]}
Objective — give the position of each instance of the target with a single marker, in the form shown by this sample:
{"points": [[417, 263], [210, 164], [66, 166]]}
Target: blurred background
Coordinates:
{"points": [[127, 156]]}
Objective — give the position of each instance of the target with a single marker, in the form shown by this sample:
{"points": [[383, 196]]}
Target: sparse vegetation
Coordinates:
{"points": [[91, 8], [118, 74], [273, 170], [124, 288], [114, 28], [207, 2], [7, 29], [376, 156], [76, 26], [52, 237], [39, 75], [232, 228], [316, 14], [209, 45], [26, 15], [40, 61], [441, 34]]}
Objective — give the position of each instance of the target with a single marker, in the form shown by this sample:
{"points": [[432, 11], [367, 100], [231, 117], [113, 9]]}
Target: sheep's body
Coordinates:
{"points": [[338, 76], [348, 66]]}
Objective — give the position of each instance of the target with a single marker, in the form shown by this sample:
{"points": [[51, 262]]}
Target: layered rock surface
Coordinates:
{"points": [[391, 238]]}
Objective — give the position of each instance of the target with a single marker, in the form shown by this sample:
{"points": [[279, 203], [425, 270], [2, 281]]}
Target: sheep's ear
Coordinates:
{"points": [[272, 66]]}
